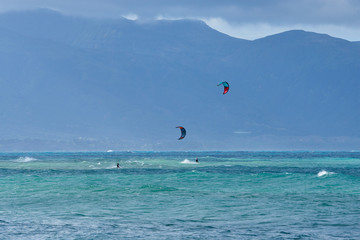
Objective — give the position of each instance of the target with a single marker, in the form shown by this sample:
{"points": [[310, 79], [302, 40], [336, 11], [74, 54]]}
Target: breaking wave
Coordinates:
{"points": [[25, 159], [187, 161], [323, 173]]}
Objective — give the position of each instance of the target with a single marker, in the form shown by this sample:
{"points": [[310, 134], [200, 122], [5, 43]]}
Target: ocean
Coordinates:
{"points": [[167, 195]]}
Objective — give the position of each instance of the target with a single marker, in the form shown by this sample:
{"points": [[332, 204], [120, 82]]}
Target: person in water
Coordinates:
{"points": [[197, 160], [118, 165]]}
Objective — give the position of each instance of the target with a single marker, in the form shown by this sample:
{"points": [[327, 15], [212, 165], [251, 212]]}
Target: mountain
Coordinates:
{"points": [[71, 83]]}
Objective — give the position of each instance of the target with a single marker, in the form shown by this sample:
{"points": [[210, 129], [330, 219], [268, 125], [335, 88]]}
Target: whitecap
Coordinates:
{"points": [[135, 161], [25, 159], [109, 150], [324, 173], [187, 161], [113, 167]]}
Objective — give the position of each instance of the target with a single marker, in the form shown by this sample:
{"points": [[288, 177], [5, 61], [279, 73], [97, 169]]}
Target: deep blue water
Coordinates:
{"points": [[166, 195]]}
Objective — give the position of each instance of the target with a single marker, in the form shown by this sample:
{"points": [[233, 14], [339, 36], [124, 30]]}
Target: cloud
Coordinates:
{"points": [[249, 31], [252, 31], [161, 17], [131, 16], [239, 18], [242, 132]]}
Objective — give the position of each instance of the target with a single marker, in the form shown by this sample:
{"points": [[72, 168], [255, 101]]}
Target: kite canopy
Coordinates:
{"points": [[183, 132], [226, 86]]}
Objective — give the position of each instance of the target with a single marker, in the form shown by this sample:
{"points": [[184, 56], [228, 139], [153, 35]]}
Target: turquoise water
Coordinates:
{"points": [[166, 195]]}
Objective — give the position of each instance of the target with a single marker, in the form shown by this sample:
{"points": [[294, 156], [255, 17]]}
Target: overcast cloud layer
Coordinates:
{"points": [[248, 19]]}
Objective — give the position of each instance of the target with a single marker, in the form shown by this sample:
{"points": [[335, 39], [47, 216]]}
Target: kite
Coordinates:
{"points": [[183, 133], [226, 86]]}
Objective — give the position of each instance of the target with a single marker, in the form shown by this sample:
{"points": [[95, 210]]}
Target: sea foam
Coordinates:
{"points": [[187, 161], [324, 173], [25, 159]]}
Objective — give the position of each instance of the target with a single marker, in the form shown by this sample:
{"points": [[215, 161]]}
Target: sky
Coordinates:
{"points": [[247, 19]]}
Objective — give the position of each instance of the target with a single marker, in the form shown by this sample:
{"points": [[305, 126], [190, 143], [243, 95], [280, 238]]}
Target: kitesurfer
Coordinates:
{"points": [[197, 160], [118, 165]]}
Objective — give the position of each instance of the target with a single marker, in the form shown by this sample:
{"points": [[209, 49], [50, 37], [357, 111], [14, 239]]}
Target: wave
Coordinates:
{"points": [[113, 167], [187, 161], [25, 159], [324, 173]]}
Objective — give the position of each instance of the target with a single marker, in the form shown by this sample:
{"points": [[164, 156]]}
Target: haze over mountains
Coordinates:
{"points": [[70, 83]]}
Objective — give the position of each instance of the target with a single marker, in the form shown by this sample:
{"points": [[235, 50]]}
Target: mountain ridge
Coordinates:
{"points": [[130, 84]]}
